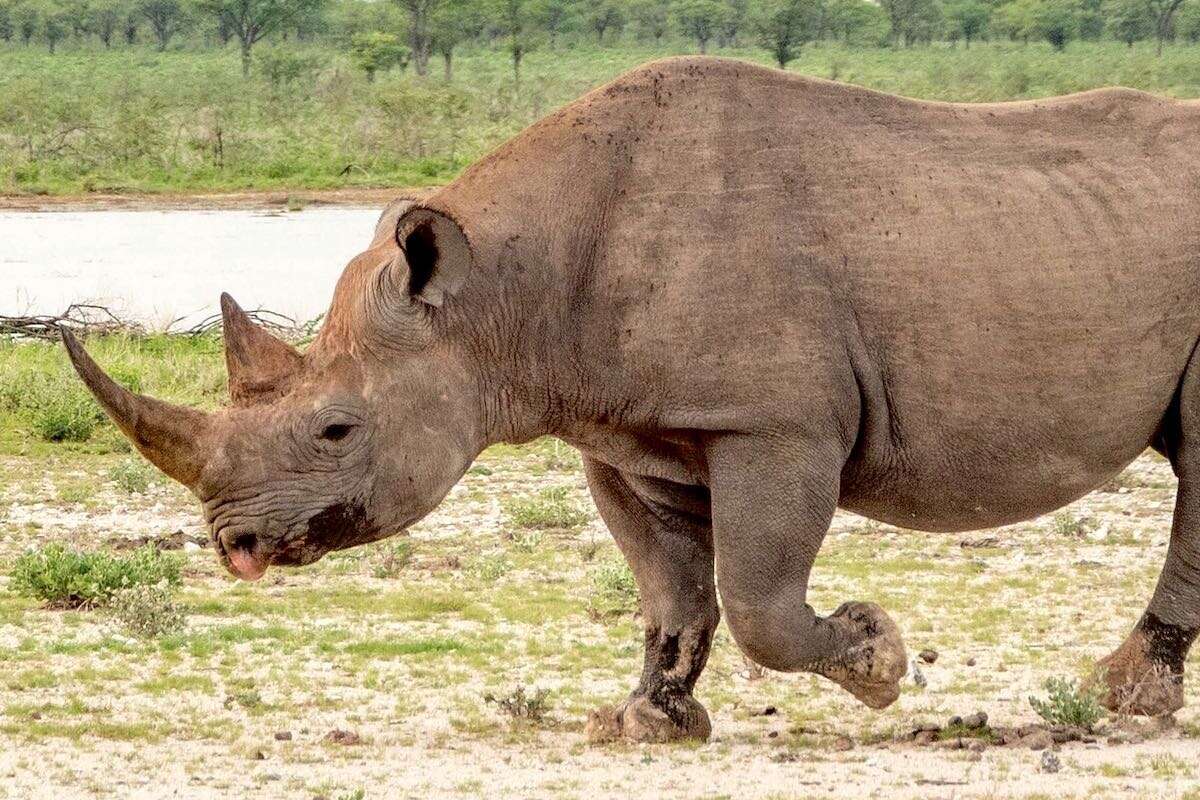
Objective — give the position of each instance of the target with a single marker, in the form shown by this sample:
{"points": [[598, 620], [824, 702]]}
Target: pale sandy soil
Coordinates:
{"points": [[404, 661]]}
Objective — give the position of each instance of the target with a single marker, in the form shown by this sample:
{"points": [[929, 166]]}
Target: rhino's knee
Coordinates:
{"points": [[764, 639]]}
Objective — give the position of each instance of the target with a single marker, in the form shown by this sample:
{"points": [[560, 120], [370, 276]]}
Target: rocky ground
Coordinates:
{"points": [[377, 672]]}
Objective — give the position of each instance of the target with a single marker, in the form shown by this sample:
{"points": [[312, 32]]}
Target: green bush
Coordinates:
{"points": [[66, 415], [1069, 704], [148, 610], [613, 591], [54, 408], [548, 509], [66, 578]]}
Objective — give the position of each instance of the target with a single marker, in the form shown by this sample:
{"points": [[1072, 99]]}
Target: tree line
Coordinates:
{"points": [[386, 34]]}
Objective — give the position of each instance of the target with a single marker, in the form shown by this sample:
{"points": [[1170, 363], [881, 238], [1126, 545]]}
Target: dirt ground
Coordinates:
{"points": [[399, 651]]}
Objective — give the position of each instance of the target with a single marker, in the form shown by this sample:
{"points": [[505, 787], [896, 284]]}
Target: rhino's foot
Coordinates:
{"points": [[1137, 684], [679, 717], [871, 668]]}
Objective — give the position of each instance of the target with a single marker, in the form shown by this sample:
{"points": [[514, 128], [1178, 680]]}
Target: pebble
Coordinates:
{"points": [[843, 744], [970, 662], [928, 656], [769, 711], [283, 736], [1050, 762]]}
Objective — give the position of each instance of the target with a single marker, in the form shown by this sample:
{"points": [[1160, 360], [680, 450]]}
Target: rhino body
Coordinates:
{"points": [[749, 298]]}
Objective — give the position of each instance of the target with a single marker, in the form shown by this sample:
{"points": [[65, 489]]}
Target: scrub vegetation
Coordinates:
{"points": [[117, 96]]}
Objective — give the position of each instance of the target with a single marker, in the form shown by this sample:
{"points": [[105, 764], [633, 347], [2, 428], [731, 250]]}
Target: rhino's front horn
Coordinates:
{"points": [[260, 366], [174, 438]]}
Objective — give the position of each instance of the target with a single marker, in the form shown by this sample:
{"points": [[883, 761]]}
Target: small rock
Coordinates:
{"points": [[926, 726], [977, 720], [1050, 763], [924, 738], [283, 736], [348, 738], [918, 677], [954, 721], [259, 755], [773, 735], [769, 711], [1125, 737], [843, 743], [977, 745], [928, 656], [1008, 736], [1028, 729], [950, 744], [970, 662], [1038, 741]]}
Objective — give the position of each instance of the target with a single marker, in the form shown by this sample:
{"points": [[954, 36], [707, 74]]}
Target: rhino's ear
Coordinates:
{"points": [[437, 254], [260, 366]]}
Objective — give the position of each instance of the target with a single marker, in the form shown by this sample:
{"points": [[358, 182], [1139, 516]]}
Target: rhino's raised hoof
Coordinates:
{"points": [[639, 720], [871, 669], [1137, 684]]}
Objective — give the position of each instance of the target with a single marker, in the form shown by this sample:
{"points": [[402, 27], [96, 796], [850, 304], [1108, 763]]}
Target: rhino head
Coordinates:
{"points": [[349, 442]]}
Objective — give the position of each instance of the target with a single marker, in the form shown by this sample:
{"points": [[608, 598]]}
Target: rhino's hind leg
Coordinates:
{"points": [[663, 530], [1145, 674], [771, 511]]}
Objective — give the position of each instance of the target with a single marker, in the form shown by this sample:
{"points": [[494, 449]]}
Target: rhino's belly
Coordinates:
{"points": [[958, 491]]}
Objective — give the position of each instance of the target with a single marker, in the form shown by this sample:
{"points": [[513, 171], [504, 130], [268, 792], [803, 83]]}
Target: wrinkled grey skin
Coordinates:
{"points": [[748, 298]]}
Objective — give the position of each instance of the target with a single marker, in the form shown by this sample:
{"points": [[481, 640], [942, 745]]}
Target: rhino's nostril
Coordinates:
{"points": [[246, 542]]}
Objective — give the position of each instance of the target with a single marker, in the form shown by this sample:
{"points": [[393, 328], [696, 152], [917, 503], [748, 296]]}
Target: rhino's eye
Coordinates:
{"points": [[337, 431]]}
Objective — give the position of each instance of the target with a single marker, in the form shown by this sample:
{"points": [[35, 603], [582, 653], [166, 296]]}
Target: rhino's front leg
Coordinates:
{"points": [[772, 502], [663, 529]]}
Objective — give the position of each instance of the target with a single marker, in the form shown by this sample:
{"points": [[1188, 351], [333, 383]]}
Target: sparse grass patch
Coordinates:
{"points": [[133, 475], [391, 559], [387, 648], [64, 578], [1069, 704], [491, 568], [549, 509], [1068, 525]]}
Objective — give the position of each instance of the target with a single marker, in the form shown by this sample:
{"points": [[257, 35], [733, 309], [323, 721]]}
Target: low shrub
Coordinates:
{"points": [[520, 705], [1068, 703], [133, 475], [148, 610], [65, 578], [613, 591]]}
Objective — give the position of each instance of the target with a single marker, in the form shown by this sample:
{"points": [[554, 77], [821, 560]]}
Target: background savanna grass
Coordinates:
{"points": [[133, 119]]}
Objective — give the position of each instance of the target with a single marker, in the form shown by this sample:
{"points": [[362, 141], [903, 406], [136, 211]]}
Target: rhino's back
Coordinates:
{"points": [[1019, 281]]}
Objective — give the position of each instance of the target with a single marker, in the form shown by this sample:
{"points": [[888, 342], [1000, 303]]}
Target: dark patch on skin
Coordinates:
{"points": [[339, 526], [1167, 643], [663, 683]]}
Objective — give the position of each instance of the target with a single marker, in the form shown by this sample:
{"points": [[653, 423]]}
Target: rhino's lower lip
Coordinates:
{"points": [[248, 564]]}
